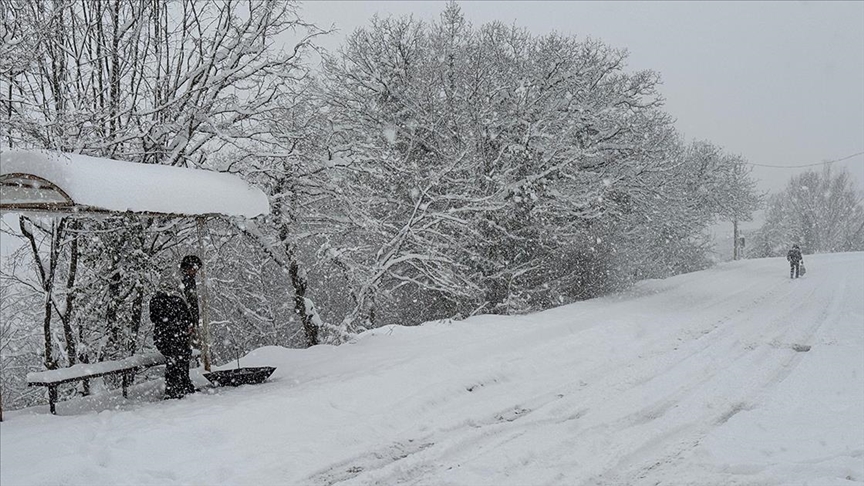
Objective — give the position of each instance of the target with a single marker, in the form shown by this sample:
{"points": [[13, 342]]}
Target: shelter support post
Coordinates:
{"points": [[205, 312], [128, 377], [52, 399]]}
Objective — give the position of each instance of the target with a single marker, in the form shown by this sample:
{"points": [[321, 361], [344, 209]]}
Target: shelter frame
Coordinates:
{"points": [[32, 193]]}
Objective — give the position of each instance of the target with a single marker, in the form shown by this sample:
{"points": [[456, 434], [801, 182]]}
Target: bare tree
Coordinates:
{"points": [[172, 83], [821, 211]]}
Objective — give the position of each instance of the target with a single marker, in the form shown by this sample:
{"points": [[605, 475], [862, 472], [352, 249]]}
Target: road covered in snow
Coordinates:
{"points": [[734, 375]]}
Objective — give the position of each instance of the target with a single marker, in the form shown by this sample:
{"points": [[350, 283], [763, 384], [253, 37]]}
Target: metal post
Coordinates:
{"points": [[52, 399], [126, 382], [735, 238], [205, 314]]}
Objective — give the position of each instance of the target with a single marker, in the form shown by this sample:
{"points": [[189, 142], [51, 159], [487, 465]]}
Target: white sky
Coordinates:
{"points": [[780, 83]]}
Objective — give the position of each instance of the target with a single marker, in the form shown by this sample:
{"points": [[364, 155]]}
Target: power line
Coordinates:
{"points": [[806, 165]]}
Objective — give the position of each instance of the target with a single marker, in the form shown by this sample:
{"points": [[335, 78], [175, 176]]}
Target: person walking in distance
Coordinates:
{"points": [[795, 260]]}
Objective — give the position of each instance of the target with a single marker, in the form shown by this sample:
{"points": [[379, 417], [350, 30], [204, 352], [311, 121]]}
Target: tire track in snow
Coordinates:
{"points": [[654, 410], [721, 336], [644, 463], [502, 426]]}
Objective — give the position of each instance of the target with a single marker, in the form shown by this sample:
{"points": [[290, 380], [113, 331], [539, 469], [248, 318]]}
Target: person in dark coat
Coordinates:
{"points": [[172, 330], [795, 261]]}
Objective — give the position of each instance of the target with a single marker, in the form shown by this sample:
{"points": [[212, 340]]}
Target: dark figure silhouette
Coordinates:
{"points": [[172, 329], [795, 261]]}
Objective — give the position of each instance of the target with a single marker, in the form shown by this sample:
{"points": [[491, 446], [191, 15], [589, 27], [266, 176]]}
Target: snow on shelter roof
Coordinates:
{"points": [[42, 180]]}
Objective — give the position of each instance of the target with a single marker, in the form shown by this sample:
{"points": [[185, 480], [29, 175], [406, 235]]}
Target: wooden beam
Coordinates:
{"points": [[204, 310]]}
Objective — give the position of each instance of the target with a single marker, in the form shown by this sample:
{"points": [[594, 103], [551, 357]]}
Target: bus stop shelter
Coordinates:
{"points": [[55, 183]]}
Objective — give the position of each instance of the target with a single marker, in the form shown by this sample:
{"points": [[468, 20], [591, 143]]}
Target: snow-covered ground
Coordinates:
{"points": [[734, 375]]}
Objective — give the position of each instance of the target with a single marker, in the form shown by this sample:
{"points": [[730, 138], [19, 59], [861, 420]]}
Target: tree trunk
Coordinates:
{"points": [[112, 311], [47, 280], [135, 325], [300, 284], [68, 333], [49, 361]]}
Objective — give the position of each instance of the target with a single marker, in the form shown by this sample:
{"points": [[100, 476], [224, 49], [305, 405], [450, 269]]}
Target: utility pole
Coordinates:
{"points": [[735, 238]]}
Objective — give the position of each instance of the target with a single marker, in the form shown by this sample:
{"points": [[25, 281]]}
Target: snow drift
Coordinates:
{"points": [[734, 375]]}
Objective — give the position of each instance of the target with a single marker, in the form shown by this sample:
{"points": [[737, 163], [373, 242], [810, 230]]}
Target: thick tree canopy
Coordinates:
{"points": [[426, 171], [493, 170]]}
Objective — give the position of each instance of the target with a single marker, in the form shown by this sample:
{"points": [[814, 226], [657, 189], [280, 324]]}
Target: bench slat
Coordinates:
{"points": [[80, 378], [85, 371], [92, 370]]}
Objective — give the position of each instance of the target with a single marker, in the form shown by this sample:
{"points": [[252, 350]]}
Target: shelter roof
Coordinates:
{"points": [[50, 181]]}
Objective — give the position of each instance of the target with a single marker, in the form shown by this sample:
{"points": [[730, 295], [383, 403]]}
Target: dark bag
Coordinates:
{"points": [[801, 269], [170, 317]]}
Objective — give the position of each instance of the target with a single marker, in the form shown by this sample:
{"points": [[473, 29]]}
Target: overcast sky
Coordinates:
{"points": [[780, 83]]}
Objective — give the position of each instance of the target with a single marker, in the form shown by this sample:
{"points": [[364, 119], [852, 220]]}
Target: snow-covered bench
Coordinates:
{"points": [[126, 367]]}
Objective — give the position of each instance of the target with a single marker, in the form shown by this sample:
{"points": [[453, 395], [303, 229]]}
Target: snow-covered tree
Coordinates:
{"points": [[20, 350], [821, 211], [480, 160], [431, 170], [175, 83]]}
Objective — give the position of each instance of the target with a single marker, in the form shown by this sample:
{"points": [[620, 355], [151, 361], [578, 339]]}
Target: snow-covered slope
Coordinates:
{"points": [[735, 375]]}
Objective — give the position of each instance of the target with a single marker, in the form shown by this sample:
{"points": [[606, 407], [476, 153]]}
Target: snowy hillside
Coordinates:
{"points": [[735, 375]]}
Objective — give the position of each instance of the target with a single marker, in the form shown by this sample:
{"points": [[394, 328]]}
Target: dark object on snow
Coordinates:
{"points": [[171, 320], [796, 261], [172, 327], [240, 376], [801, 269], [191, 262]]}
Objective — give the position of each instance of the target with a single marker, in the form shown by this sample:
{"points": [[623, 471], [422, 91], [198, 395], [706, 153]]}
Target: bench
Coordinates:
{"points": [[126, 367]]}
